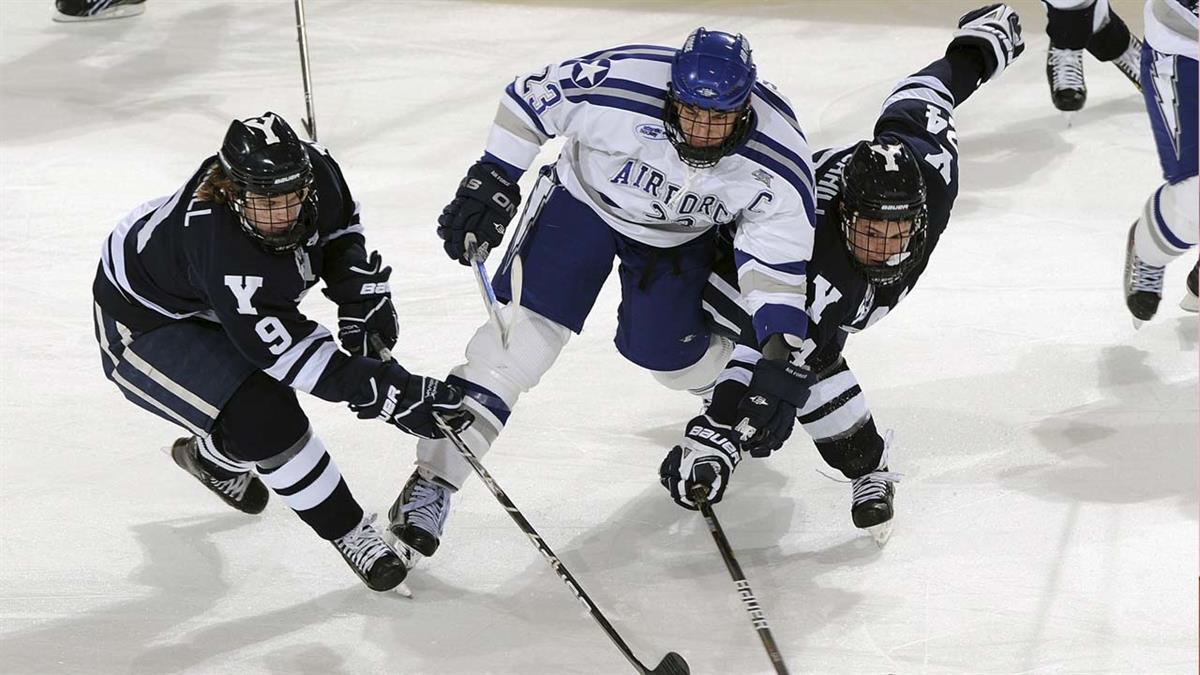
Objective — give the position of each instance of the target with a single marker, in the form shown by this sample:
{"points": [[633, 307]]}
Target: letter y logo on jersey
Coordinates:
{"points": [[243, 288]]}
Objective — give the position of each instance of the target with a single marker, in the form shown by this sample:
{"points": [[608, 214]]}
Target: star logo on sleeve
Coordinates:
{"points": [[588, 74]]}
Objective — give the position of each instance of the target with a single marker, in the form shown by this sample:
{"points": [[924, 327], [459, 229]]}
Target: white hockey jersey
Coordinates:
{"points": [[617, 159], [1171, 26]]}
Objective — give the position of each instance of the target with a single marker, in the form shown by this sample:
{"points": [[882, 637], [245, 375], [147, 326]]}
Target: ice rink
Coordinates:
{"points": [[1046, 522]]}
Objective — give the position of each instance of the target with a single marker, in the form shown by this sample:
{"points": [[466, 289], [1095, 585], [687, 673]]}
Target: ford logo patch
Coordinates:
{"points": [[652, 131]]}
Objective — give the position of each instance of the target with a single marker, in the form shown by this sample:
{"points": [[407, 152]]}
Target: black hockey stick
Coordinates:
{"points": [[310, 123], [671, 664], [757, 617]]}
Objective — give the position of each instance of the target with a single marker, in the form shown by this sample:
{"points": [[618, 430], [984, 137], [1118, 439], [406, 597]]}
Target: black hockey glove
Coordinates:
{"points": [[483, 205], [995, 31], [767, 413], [707, 457], [364, 301], [409, 401]]}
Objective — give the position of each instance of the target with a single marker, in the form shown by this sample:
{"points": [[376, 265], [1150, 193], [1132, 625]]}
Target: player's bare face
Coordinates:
{"points": [[705, 128], [273, 214], [874, 242]]}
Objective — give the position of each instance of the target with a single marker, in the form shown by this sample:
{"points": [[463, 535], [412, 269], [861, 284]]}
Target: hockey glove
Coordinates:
{"points": [[409, 401], [767, 413], [995, 31], [706, 457], [484, 204], [364, 301]]}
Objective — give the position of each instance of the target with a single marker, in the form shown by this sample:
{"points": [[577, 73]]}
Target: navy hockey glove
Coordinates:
{"points": [[483, 205], [706, 458], [995, 31], [409, 401], [364, 301], [767, 413]]}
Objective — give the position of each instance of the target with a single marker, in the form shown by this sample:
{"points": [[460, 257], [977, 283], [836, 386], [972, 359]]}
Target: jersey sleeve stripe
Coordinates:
{"points": [[637, 90], [757, 152], [926, 81], [513, 150], [653, 50], [296, 353], [794, 270], [509, 121], [776, 102], [524, 107], [924, 94], [314, 367], [625, 102]]}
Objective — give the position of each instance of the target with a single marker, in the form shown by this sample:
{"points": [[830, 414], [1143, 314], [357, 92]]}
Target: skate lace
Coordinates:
{"points": [[1066, 68], [362, 546], [873, 485], [234, 488], [1145, 277], [426, 506], [1130, 60]]}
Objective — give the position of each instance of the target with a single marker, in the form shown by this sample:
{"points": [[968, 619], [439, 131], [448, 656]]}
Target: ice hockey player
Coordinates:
{"points": [[197, 315], [662, 146], [882, 206], [1167, 227], [1077, 24], [96, 10]]}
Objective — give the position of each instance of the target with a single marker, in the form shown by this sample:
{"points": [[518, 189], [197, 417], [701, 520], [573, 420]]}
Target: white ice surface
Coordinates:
{"points": [[1047, 522]]}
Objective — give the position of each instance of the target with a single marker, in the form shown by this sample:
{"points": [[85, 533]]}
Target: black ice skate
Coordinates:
{"points": [[418, 516], [1064, 72], [1191, 300], [1143, 284], [96, 10], [1130, 62], [871, 503], [365, 551], [243, 491]]}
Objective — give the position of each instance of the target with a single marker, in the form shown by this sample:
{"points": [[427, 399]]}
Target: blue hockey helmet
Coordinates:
{"points": [[713, 71], [712, 77], [272, 178]]}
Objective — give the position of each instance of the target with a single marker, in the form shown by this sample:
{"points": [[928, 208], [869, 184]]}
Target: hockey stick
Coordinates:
{"points": [[488, 293], [671, 664], [310, 124], [699, 494]]}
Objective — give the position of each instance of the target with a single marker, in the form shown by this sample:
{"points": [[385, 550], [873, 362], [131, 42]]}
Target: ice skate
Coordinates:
{"points": [[243, 491]]}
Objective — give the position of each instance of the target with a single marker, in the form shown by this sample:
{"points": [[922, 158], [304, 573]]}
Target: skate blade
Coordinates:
{"points": [[1137, 323], [409, 555], [881, 533], [1069, 116], [404, 590], [1190, 303]]}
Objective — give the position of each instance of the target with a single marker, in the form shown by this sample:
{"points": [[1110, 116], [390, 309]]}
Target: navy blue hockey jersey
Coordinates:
{"points": [[177, 258], [919, 113]]}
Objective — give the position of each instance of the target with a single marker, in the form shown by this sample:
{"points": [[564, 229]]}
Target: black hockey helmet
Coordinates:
{"points": [[272, 177], [882, 182]]}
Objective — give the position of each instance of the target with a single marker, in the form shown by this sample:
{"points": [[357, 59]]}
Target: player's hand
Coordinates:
{"points": [[767, 413], [706, 458], [409, 402], [483, 205], [364, 301], [995, 30]]}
